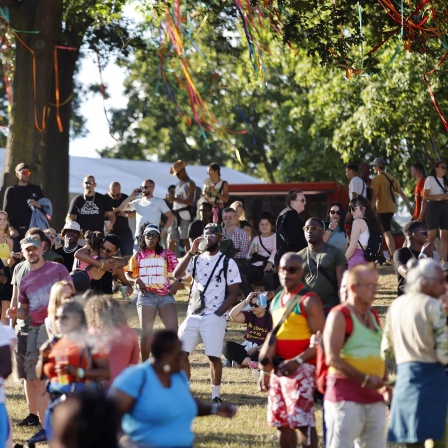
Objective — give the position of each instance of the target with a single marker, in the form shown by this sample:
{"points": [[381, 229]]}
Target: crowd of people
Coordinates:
{"points": [[302, 287]]}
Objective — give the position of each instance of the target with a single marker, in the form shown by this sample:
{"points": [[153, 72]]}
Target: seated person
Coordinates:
{"points": [[259, 324]]}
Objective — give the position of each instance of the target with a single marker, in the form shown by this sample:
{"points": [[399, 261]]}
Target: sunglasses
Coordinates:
{"points": [[108, 251], [253, 305], [25, 173], [151, 235], [354, 208], [442, 167], [312, 228], [289, 269], [89, 183], [302, 200], [335, 212], [50, 235], [146, 187]]}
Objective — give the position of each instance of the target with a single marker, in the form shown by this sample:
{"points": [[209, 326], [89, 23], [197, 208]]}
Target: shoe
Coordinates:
{"points": [[29, 420], [216, 400], [390, 262], [40, 436], [227, 363], [253, 365], [444, 265], [235, 365]]}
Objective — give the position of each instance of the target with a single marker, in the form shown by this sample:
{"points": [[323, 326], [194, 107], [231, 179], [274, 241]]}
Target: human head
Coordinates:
{"points": [[362, 284], [71, 232], [51, 234], [23, 173], [213, 235], [336, 211], [94, 239], [266, 222], [214, 171], [148, 186], [166, 349], [89, 184], [343, 293], [4, 222], [110, 246], [150, 238], [360, 207], [290, 271], [229, 217], [104, 312], [425, 276], [439, 169], [35, 231], [416, 233], [205, 211], [351, 170], [114, 190], [172, 189], [296, 200], [61, 292], [379, 164], [70, 318], [314, 230], [364, 171], [178, 169], [417, 170], [239, 210], [32, 249]]}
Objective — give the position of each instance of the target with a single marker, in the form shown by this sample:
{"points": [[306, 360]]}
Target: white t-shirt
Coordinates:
{"points": [[148, 210], [7, 337], [216, 290], [431, 184], [358, 186], [181, 192]]}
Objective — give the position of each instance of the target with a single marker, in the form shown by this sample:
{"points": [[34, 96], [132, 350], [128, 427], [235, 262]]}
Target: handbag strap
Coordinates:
{"points": [[291, 304], [263, 246], [211, 275], [440, 185]]}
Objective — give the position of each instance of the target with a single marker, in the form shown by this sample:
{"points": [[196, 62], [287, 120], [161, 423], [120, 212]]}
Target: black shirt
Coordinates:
{"points": [[90, 211], [290, 236], [121, 225], [401, 257], [68, 257], [15, 203]]}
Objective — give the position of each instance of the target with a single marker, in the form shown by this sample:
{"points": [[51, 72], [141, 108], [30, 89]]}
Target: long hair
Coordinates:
{"points": [[94, 239], [55, 300], [291, 195], [373, 223], [104, 312], [7, 221], [142, 243], [433, 172], [269, 217], [341, 214]]}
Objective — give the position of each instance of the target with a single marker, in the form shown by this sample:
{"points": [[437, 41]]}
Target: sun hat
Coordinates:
{"points": [[178, 165]]}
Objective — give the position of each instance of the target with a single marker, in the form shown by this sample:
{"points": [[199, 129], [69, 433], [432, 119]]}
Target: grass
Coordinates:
{"points": [[248, 428]]}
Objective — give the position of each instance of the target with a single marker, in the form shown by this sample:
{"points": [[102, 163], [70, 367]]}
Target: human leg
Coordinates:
{"points": [[443, 244], [390, 242], [146, 315], [189, 336], [287, 437], [168, 316], [374, 419], [234, 352], [308, 436]]}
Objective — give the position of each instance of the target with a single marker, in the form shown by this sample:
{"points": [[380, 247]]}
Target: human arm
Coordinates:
{"points": [[374, 197], [119, 273], [106, 264], [5, 361], [231, 297], [22, 312], [222, 196], [191, 195], [98, 371], [405, 199], [180, 269], [387, 344], [170, 219], [421, 217], [112, 217], [332, 226], [334, 339], [124, 206], [358, 226], [427, 196], [236, 313], [339, 273]]}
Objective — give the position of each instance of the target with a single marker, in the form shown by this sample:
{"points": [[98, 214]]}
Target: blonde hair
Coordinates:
{"points": [[104, 312], [7, 222], [237, 204], [56, 299]]}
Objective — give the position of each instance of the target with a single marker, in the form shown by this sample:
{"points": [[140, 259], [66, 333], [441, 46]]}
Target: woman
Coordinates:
{"points": [[436, 193], [106, 319], [156, 401], [289, 225], [364, 224], [215, 191], [415, 337], [60, 293], [262, 253], [69, 362], [7, 261], [335, 232], [241, 216], [148, 268], [259, 324]]}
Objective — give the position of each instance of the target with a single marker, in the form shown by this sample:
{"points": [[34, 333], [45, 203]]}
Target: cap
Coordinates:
{"points": [[213, 227], [378, 162], [151, 228], [178, 165], [22, 166], [30, 241], [71, 226]]}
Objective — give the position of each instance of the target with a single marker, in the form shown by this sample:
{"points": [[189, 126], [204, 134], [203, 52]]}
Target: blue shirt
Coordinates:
{"points": [[161, 416]]}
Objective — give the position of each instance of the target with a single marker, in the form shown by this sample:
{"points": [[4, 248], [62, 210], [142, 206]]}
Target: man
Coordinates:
{"points": [[416, 247], [149, 208], [90, 209], [18, 201], [121, 226], [207, 312], [323, 265], [357, 186], [236, 234], [182, 200], [384, 188], [418, 173], [33, 302], [291, 385], [70, 233], [196, 228], [354, 408]]}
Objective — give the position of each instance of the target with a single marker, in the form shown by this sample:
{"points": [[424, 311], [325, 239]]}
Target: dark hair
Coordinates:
{"points": [[141, 239], [229, 210], [291, 195], [341, 214], [75, 308], [215, 167], [433, 172], [40, 232], [268, 216], [419, 166], [171, 186], [370, 216], [113, 239], [352, 166], [94, 239], [412, 226], [321, 223], [163, 341], [206, 205]]}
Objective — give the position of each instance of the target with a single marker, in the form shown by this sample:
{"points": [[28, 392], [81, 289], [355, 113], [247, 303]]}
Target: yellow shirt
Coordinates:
{"points": [[381, 186]]}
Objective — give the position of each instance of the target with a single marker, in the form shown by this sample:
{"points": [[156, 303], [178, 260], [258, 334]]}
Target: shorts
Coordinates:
{"points": [[36, 337], [179, 230], [151, 299], [19, 354], [385, 219], [437, 215], [356, 258], [291, 398], [209, 329]]}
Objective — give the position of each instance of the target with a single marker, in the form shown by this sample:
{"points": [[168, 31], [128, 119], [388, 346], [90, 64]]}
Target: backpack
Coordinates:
{"points": [[321, 365], [373, 251], [227, 248]]}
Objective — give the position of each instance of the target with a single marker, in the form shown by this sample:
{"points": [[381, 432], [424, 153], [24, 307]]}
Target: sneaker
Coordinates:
{"points": [[29, 420], [227, 363], [216, 400], [40, 436], [235, 365], [253, 365], [390, 262]]}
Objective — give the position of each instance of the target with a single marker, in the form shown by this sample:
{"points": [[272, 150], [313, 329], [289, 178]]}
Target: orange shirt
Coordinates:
{"points": [[418, 194]]}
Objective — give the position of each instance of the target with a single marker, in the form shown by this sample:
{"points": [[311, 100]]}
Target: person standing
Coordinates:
{"points": [[183, 201], [418, 173], [90, 209], [215, 191], [121, 226], [323, 265], [70, 233], [214, 291], [357, 186], [384, 188], [196, 228], [33, 301], [355, 411], [18, 201], [292, 382]]}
